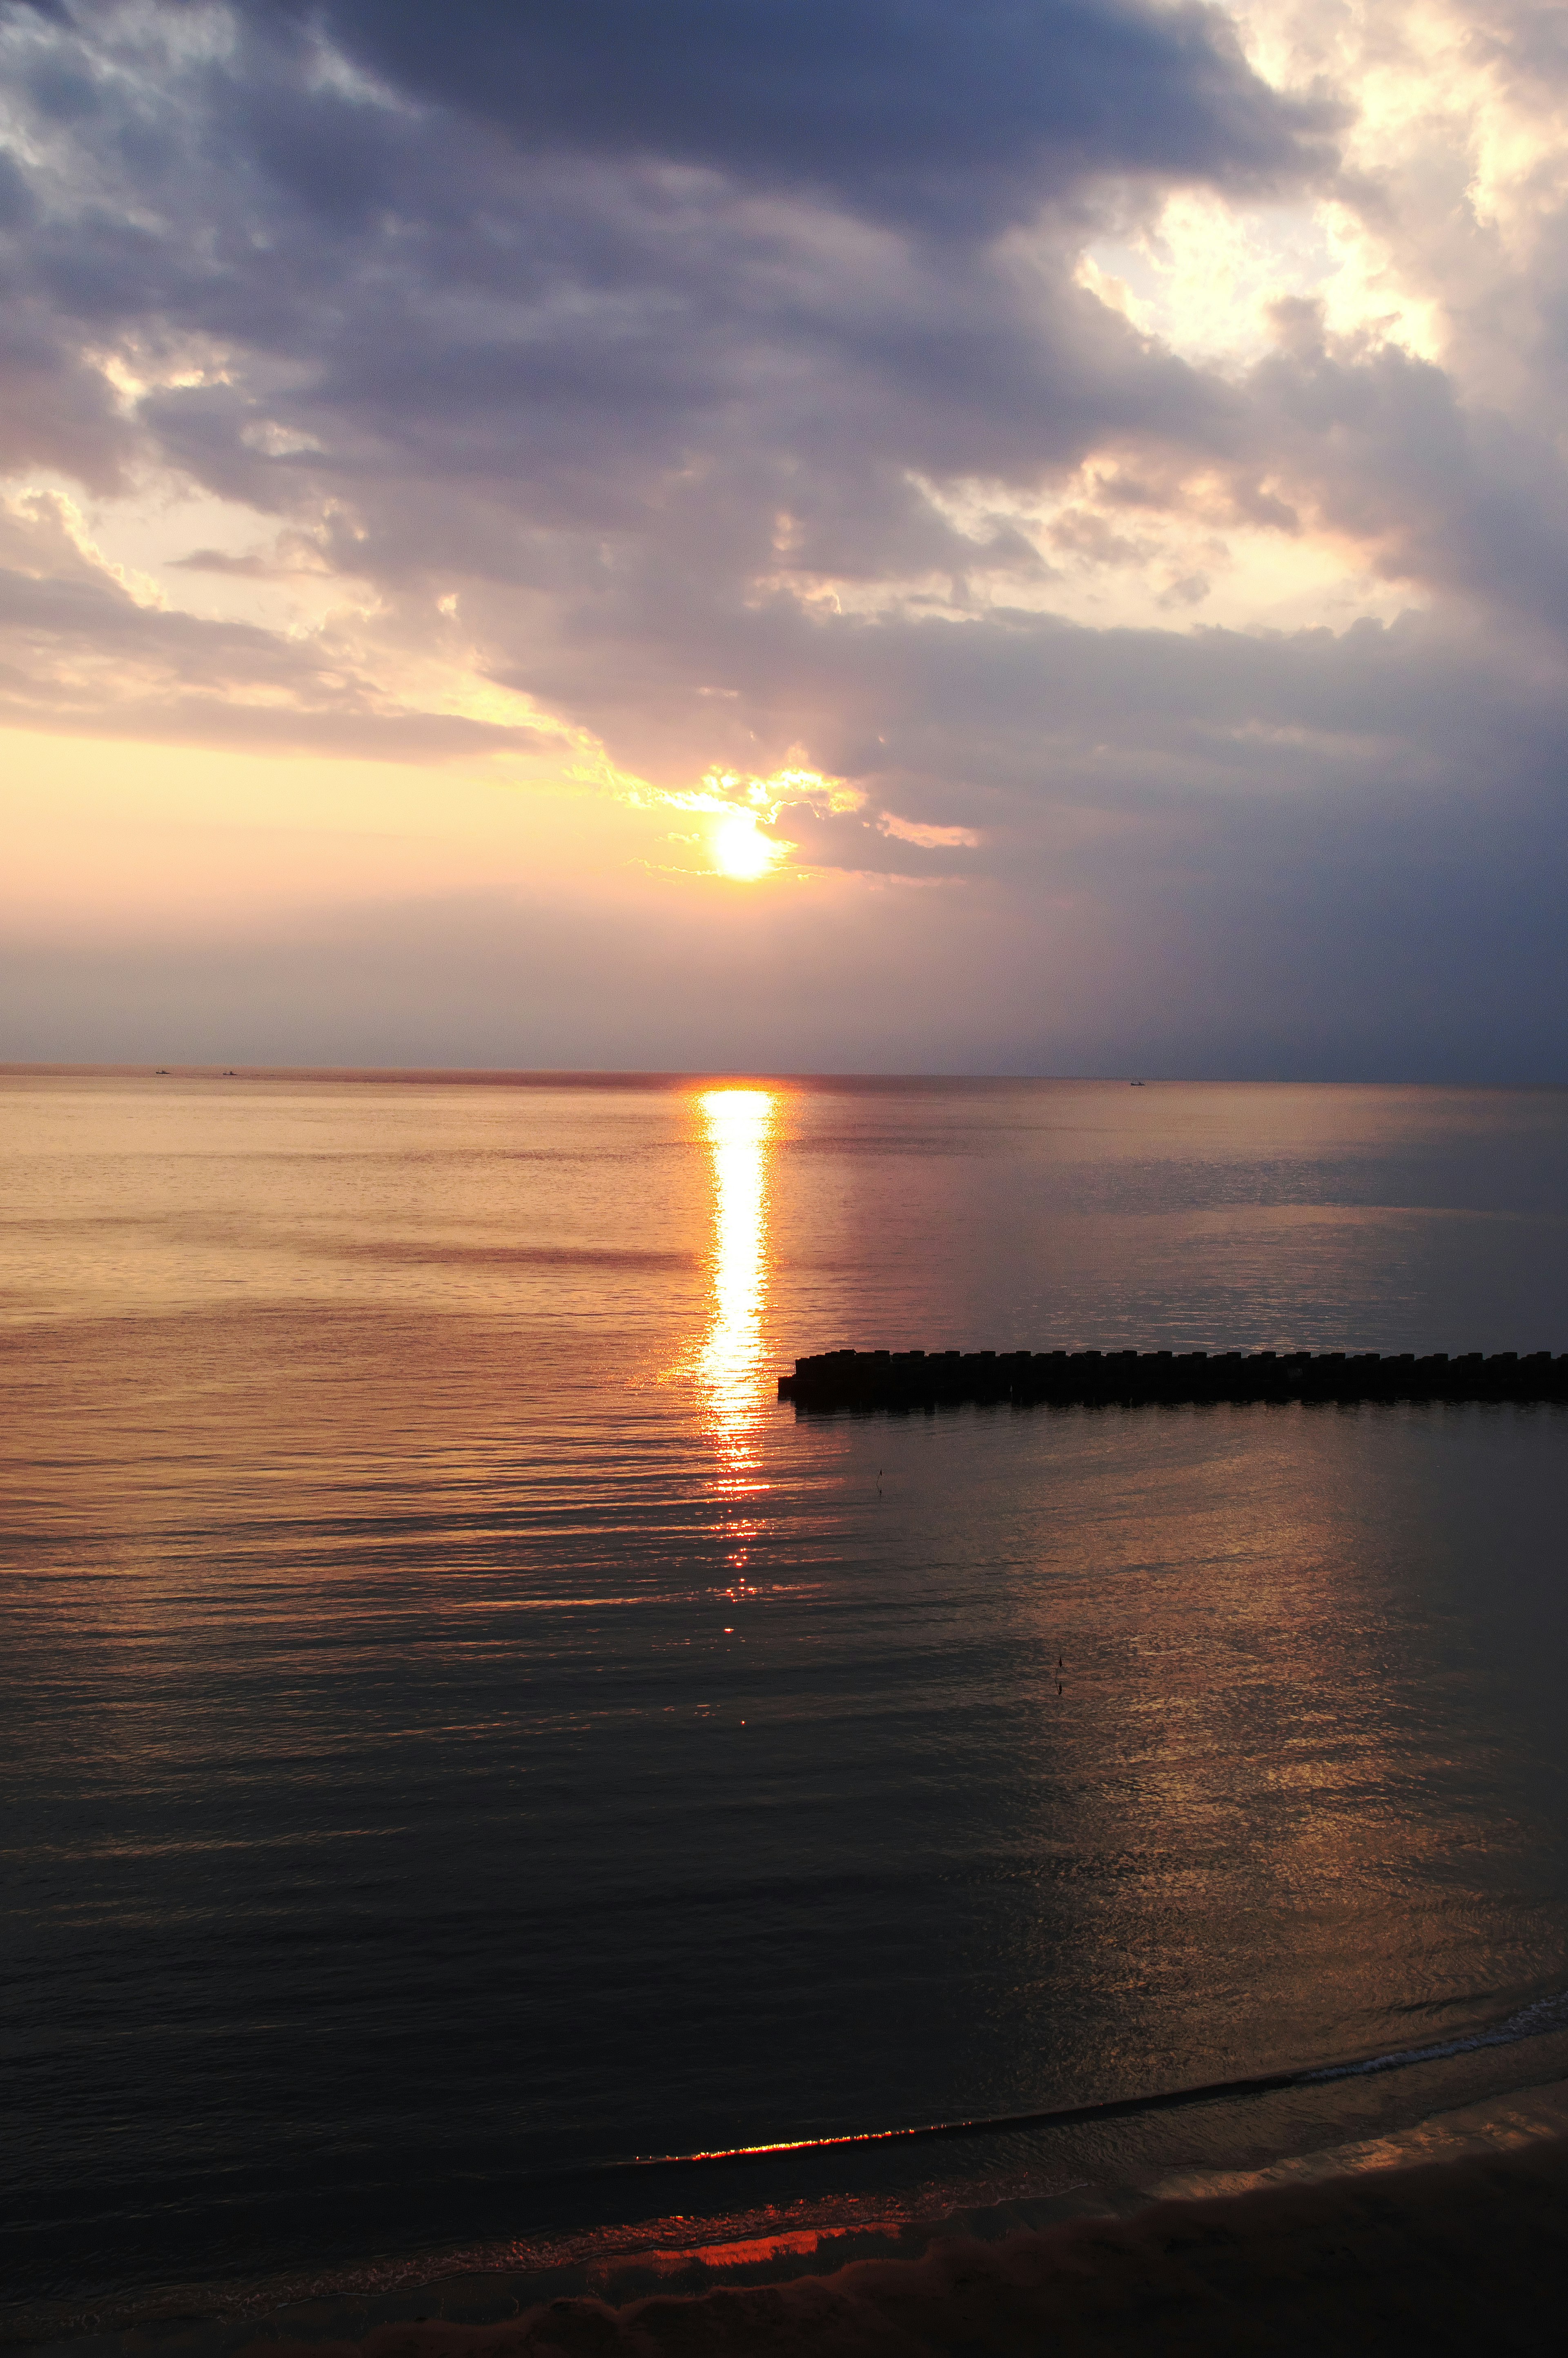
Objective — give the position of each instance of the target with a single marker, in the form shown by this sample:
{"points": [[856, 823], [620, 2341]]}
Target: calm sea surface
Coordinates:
{"points": [[461, 1734]]}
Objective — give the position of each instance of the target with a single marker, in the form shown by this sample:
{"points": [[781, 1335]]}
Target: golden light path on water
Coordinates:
{"points": [[741, 1126]]}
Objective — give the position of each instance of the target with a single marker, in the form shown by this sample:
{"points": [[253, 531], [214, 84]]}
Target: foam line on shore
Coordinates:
{"points": [[1535, 2020]]}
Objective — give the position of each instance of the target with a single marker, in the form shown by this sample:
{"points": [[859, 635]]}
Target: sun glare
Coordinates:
{"points": [[739, 852], [741, 1126]]}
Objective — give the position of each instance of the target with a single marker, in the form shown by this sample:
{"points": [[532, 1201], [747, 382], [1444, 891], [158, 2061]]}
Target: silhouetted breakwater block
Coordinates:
{"points": [[904, 1379]]}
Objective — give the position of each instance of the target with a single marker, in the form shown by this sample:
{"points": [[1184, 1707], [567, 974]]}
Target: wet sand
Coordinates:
{"points": [[1452, 2237], [1469, 2255]]}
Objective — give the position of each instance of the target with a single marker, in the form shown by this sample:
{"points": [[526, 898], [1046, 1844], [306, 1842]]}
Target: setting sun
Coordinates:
{"points": [[739, 852]]}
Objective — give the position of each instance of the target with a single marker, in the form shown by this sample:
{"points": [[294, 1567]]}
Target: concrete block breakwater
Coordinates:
{"points": [[908, 1380]]}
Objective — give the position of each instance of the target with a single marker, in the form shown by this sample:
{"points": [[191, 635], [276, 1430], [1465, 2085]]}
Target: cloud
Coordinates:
{"points": [[836, 394], [953, 119], [80, 651]]}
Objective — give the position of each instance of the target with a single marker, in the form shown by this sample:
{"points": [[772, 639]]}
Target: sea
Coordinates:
{"points": [[482, 1775]]}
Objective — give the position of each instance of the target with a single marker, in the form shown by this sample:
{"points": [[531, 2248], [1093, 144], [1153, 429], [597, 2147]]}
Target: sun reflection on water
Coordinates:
{"points": [[741, 1126]]}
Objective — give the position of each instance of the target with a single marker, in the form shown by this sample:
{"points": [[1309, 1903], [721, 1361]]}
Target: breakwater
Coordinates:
{"points": [[923, 1379]]}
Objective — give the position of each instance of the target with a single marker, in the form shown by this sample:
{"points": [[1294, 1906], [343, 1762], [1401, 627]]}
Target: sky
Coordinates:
{"points": [[975, 536]]}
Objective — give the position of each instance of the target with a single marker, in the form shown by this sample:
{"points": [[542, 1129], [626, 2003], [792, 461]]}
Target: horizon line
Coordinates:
{"points": [[676, 1078]]}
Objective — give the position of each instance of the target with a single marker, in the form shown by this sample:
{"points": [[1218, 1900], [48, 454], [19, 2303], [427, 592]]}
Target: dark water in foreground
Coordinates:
{"points": [[462, 1734]]}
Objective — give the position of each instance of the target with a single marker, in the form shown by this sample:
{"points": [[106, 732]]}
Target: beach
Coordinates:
{"points": [[784, 1178], [1454, 2237], [1449, 2235]]}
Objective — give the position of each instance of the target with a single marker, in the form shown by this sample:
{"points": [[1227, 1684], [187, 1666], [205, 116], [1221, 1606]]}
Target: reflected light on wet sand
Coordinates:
{"points": [[741, 1125]]}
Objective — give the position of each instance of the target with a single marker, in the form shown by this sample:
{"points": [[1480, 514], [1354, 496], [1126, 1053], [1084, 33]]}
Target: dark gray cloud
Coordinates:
{"points": [[918, 111]]}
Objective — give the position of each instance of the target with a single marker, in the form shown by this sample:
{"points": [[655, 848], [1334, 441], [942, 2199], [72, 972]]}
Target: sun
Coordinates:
{"points": [[739, 852]]}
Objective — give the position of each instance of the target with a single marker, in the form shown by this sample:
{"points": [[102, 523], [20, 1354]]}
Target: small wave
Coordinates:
{"points": [[1533, 2021], [1537, 2020]]}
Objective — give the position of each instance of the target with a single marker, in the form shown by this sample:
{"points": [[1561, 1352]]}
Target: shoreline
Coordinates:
{"points": [[1432, 2236]]}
